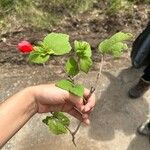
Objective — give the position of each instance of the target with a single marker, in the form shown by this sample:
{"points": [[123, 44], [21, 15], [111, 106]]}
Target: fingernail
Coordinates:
{"points": [[87, 121]]}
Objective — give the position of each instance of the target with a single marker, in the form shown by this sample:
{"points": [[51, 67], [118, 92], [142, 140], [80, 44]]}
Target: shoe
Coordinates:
{"points": [[139, 89], [144, 129]]}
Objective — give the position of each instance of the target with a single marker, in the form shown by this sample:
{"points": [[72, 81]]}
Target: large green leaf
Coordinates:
{"points": [[58, 43], [62, 118], [118, 48], [64, 84], [72, 67], [55, 125], [83, 49], [85, 64], [75, 89], [114, 45], [104, 47], [120, 37]]}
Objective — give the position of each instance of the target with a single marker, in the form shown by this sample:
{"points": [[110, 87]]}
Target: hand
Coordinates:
{"points": [[50, 98], [19, 108]]}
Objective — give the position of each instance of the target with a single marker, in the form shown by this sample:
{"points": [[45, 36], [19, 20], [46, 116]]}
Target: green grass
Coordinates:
{"points": [[46, 13], [39, 13]]}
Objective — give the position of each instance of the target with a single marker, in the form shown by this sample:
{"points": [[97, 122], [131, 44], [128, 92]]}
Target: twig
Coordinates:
{"points": [[100, 71], [72, 134], [92, 90]]}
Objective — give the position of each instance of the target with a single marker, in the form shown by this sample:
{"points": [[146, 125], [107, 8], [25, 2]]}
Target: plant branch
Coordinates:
{"points": [[64, 70], [92, 90], [100, 71]]}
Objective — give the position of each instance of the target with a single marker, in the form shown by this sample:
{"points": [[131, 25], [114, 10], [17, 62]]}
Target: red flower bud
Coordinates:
{"points": [[25, 47]]}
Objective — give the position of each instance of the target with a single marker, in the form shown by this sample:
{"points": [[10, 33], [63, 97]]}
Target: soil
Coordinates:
{"points": [[118, 118]]}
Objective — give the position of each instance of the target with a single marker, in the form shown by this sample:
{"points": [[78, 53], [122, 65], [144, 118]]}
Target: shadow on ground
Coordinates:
{"points": [[116, 112], [139, 143]]}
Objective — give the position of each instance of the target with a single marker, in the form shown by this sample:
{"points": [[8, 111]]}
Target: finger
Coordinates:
{"points": [[77, 101], [86, 121], [80, 106], [76, 114], [90, 101], [54, 108]]}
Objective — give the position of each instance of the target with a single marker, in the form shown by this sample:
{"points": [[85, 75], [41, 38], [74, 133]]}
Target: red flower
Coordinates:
{"points": [[25, 47]]}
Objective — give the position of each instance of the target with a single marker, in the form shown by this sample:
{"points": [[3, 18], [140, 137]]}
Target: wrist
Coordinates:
{"points": [[16, 110], [29, 93]]}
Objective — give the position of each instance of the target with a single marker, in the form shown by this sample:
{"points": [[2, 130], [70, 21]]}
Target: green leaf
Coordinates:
{"points": [[55, 125], [114, 45], [62, 118], [118, 48], [75, 89], [58, 43], [83, 49], [104, 47], [64, 84], [72, 67], [43, 50], [85, 64], [120, 37], [37, 57]]}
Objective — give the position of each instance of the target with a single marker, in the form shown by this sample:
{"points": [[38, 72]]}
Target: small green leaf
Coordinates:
{"points": [[85, 64], [83, 49], [43, 50], [62, 118], [55, 125], [46, 119], [58, 43], [72, 67], [67, 85], [37, 57], [77, 90]]}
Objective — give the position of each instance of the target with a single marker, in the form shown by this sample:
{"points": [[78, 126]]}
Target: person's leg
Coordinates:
{"points": [[146, 76], [144, 128], [142, 86]]}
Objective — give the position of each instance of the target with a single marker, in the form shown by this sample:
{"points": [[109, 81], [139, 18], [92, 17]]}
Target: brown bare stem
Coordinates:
{"points": [[100, 71], [77, 129]]}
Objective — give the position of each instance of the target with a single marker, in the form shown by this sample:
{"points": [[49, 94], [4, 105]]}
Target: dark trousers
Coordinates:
{"points": [[146, 75]]}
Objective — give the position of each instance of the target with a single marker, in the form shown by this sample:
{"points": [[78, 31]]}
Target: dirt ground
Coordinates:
{"points": [[115, 118]]}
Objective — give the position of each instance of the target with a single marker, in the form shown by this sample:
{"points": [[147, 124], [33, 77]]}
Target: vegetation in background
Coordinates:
{"points": [[115, 6], [39, 13], [46, 13]]}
